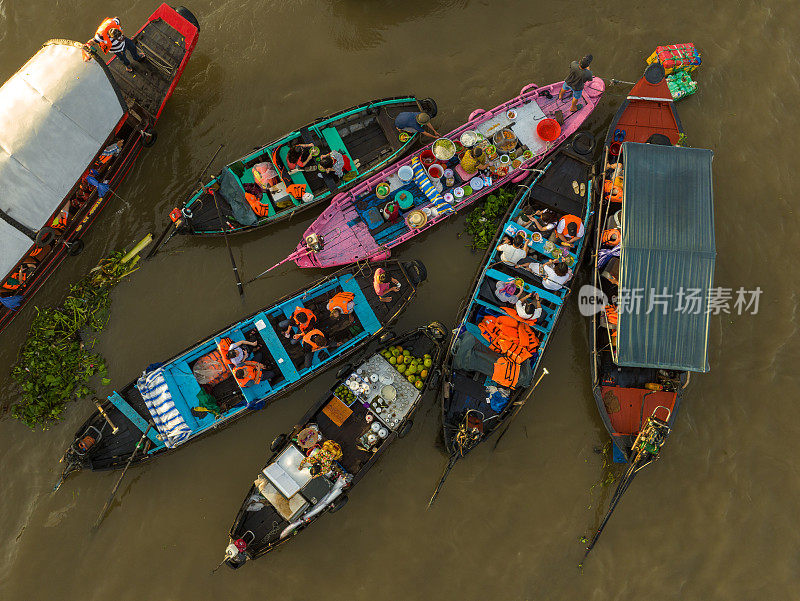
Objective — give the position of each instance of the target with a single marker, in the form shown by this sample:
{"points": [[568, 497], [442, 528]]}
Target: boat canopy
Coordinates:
{"points": [[667, 257], [56, 113]]}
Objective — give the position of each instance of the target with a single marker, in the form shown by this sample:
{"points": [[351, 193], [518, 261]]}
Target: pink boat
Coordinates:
{"points": [[355, 226]]}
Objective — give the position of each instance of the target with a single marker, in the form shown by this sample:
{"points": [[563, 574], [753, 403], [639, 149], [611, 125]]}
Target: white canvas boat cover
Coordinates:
{"points": [[56, 113]]}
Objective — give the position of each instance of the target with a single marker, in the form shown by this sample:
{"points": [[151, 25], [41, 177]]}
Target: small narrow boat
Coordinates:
{"points": [[364, 134], [66, 122], [316, 465], [434, 184], [504, 329], [653, 276], [201, 390]]}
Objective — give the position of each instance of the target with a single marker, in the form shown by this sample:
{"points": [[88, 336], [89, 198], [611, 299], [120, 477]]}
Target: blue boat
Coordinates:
{"points": [[198, 391], [497, 348]]}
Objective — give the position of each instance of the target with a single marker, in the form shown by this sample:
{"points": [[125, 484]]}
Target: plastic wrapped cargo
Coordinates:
{"points": [[676, 56], [681, 84]]}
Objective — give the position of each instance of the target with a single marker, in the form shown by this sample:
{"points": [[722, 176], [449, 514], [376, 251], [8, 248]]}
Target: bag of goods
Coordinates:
{"points": [[681, 84], [265, 175], [677, 56]]}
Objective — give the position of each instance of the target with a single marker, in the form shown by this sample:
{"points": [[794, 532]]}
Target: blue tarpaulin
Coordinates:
{"points": [[667, 257]]}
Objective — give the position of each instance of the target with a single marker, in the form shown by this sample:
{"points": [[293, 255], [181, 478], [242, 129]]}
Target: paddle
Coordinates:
{"points": [[450, 464], [227, 243], [519, 406], [161, 242], [139, 445]]}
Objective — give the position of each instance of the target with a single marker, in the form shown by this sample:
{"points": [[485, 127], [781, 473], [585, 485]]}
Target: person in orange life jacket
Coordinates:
{"points": [[110, 38], [302, 320], [16, 281], [609, 319], [298, 157], [251, 373], [104, 161], [342, 303], [312, 341], [568, 231]]}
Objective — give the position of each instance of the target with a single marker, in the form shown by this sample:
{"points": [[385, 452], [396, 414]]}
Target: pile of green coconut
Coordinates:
{"points": [[415, 369]]}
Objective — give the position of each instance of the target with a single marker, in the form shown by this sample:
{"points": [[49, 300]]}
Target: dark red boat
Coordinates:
{"points": [[69, 120]]}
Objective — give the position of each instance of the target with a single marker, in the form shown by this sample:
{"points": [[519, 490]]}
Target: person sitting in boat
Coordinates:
{"points": [[238, 355], [529, 306], [298, 157], [302, 320], [474, 160], [16, 281], [568, 231], [544, 220], [383, 285], [514, 252], [337, 163], [415, 123], [251, 373], [313, 341], [554, 274], [343, 303], [609, 319], [579, 76]]}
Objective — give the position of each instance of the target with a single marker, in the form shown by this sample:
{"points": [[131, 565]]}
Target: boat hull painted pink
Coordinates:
{"points": [[348, 239]]}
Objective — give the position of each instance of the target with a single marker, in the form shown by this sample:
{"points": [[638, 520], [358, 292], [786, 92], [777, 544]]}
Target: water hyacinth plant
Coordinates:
{"points": [[483, 221], [56, 362]]}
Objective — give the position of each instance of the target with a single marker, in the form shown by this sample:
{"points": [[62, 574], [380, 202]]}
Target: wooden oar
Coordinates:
{"points": [[174, 226], [519, 406], [139, 445], [450, 464], [239, 284]]}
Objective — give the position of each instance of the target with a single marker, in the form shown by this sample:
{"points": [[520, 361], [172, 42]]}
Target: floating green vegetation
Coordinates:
{"points": [[483, 221], [56, 362]]}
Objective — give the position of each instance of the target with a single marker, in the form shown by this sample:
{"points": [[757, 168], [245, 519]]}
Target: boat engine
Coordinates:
{"points": [[235, 555]]}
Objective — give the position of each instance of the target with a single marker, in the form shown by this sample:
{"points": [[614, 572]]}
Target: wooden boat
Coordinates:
{"points": [[301, 481], [195, 392], [364, 133], [648, 115], [353, 228], [646, 344], [478, 396], [58, 114]]}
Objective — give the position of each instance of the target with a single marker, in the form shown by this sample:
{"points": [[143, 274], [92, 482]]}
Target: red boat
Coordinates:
{"points": [[68, 121]]}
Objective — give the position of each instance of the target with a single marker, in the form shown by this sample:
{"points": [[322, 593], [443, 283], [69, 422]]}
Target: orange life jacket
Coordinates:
{"points": [[296, 191], [258, 207], [613, 189], [611, 237], [567, 219], [20, 276], [224, 346], [513, 339], [310, 321], [311, 344], [60, 221], [224, 374], [37, 251], [611, 314], [513, 313], [252, 373], [102, 32], [340, 301]]}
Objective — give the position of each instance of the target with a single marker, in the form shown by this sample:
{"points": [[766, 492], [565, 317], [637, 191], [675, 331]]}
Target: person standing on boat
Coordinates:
{"points": [[579, 76], [110, 38], [415, 123]]}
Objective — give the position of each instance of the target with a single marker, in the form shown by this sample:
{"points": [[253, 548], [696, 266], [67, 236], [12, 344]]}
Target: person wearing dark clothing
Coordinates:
{"points": [[579, 76], [413, 123]]}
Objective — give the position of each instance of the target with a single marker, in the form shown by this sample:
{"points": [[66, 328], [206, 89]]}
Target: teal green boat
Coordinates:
{"points": [[262, 188]]}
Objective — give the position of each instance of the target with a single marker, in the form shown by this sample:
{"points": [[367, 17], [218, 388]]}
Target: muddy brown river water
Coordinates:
{"points": [[713, 519]]}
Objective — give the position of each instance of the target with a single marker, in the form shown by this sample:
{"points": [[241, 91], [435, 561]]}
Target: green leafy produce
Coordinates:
{"points": [[56, 362], [483, 221]]}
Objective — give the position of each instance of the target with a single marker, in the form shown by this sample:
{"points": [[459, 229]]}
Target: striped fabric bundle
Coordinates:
{"points": [[166, 417], [424, 182]]}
